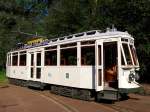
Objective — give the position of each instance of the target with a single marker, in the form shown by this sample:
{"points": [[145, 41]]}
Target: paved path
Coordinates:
{"points": [[21, 99], [136, 103]]}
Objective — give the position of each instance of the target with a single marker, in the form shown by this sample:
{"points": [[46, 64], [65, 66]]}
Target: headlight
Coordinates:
{"points": [[131, 77]]}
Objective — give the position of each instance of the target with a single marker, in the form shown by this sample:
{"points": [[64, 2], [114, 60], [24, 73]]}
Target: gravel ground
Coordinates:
{"points": [[21, 99], [146, 88]]}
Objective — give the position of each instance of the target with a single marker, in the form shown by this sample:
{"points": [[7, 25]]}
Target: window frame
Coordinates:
{"points": [[51, 50], [134, 55], [69, 46], [130, 53], [21, 54], [13, 55], [38, 60], [89, 43], [9, 59]]}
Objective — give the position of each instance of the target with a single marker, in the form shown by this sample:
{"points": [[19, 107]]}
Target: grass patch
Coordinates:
{"points": [[3, 78]]}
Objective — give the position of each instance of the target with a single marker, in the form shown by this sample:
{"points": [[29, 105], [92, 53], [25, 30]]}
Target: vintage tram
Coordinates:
{"points": [[88, 65]]}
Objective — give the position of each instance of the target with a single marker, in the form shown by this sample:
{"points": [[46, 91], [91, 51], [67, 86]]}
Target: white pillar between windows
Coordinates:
{"points": [[78, 53], [35, 64], [119, 58], [18, 59], [119, 52], [11, 59], [42, 58], [28, 64], [58, 55], [28, 59]]}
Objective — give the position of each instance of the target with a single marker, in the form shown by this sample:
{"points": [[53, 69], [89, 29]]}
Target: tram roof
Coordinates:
{"points": [[83, 36]]}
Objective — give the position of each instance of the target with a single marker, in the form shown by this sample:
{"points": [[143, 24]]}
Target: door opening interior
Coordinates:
{"points": [[110, 64]]}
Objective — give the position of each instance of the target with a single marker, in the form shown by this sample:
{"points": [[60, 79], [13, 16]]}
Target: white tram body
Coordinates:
{"points": [[78, 61]]}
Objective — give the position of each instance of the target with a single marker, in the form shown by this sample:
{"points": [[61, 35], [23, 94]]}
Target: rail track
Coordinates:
{"points": [[69, 108]]}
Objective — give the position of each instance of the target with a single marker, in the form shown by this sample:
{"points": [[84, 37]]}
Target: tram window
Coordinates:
{"points": [[68, 56], [127, 54], [15, 60], [32, 59], [9, 60], [88, 55], [99, 54], [38, 73], [50, 57], [22, 61], [134, 54], [122, 59], [32, 73], [99, 77], [38, 59]]}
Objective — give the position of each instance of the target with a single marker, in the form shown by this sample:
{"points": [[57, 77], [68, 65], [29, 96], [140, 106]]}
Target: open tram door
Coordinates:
{"points": [[99, 66], [110, 64], [106, 65]]}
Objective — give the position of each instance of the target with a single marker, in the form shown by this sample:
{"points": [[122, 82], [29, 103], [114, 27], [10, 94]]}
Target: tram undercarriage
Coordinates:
{"points": [[77, 93]]}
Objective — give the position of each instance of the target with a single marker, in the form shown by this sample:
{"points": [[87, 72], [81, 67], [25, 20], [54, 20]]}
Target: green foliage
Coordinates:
{"points": [[64, 18], [3, 78]]}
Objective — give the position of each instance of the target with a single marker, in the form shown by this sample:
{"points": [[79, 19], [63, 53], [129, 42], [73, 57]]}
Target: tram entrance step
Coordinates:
{"points": [[108, 94], [110, 89]]}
